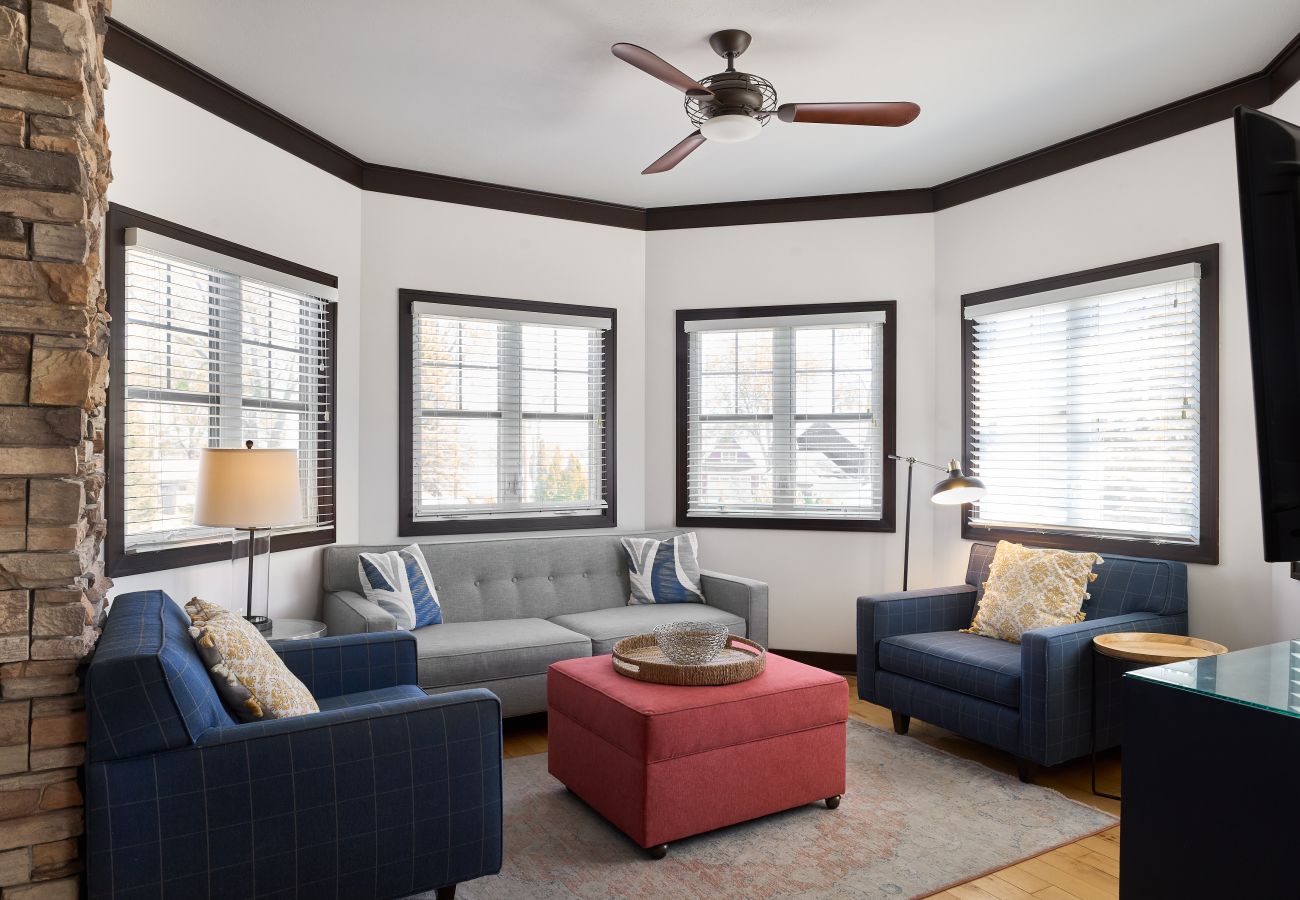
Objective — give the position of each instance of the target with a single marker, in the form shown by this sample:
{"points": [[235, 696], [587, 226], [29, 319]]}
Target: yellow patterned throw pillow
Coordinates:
{"points": [[252, 680], [1032, 588]]}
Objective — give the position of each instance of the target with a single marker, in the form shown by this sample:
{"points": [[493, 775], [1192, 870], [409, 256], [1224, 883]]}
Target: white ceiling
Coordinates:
{"points": [[526, 93]]}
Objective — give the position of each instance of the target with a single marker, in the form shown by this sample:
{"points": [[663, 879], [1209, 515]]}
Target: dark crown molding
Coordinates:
{"points": [[157, 64]]}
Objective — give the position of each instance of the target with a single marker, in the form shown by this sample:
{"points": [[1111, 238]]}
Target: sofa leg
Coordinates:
{"points": [[447, 893], [1026, 769], [900, 722], [658, 851]]}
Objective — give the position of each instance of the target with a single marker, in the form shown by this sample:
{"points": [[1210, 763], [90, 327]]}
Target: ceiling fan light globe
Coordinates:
{"points": [[730, 128]]}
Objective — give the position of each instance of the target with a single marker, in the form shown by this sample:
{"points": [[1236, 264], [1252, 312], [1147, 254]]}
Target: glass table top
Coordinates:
{"points": [[1267, 677]]}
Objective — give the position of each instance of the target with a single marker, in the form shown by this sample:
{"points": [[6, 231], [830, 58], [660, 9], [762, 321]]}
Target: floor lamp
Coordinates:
{"points": [[955, 489], [248, 490]]}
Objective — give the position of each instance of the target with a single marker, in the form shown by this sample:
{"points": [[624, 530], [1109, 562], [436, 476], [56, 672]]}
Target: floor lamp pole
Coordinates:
{"points": [[907, 528]]}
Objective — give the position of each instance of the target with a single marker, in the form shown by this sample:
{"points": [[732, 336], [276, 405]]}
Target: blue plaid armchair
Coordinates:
{"points": [[385, 792], [1032, 699]]}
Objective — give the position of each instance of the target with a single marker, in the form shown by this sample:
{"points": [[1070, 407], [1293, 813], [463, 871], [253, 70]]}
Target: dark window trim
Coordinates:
{"points": [[119, 562], [407, 524], [886, 521], [1207, 550], [157, 64]]}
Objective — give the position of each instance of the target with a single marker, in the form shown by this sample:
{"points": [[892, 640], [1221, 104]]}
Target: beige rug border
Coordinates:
{"points": [[996, 869], [1115, 820]]}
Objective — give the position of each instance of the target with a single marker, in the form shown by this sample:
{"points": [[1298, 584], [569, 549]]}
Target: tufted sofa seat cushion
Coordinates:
{"points": [[456, 653]]}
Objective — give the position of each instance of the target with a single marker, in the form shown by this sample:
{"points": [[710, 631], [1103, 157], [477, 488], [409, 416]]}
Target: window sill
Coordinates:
{"points": [[407, 527], [1203, 553], [139, 563], [787, 524]]}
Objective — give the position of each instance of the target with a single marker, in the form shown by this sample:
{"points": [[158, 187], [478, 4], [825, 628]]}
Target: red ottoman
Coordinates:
{"points": [[663, 762]]}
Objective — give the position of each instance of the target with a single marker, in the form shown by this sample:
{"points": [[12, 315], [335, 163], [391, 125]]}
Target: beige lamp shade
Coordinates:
{"points": [[248, 488]]}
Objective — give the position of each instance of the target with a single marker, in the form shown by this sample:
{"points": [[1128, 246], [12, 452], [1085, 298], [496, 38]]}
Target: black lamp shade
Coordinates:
{"points": [[957, 488]]}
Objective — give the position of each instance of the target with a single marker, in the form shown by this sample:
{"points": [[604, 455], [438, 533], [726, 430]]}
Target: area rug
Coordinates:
{"points": [[913, 820]]}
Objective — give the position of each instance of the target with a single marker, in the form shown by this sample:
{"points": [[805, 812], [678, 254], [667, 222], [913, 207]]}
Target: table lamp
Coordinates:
{"points": [[248, 490], [955, 489]]}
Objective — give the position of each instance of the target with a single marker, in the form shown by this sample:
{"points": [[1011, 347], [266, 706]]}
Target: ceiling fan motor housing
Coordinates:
{"points": [[734, 94]]}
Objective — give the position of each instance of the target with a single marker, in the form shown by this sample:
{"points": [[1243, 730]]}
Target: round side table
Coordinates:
{"points": [[1141, 649], [295, 630]]}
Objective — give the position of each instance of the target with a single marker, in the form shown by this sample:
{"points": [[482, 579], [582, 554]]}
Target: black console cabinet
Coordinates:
{"points": [[1211, 779]]}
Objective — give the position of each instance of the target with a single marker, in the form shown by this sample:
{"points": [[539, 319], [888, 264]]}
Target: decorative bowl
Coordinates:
{"points": [[691, 643]]}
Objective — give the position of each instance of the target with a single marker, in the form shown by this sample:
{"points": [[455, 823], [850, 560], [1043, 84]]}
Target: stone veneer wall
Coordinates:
{"points": [[54, 172]]}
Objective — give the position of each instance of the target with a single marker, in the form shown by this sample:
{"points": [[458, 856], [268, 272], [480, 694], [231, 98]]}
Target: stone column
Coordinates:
{"points": [[54, 172]]}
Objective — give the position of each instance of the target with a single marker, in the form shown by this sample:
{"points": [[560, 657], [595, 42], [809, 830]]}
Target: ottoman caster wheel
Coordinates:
{"points": [[658, 851], [833, 802]]}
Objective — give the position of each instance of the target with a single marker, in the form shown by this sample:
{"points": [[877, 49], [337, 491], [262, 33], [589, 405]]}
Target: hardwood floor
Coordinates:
{"points": [[1084, 870]]}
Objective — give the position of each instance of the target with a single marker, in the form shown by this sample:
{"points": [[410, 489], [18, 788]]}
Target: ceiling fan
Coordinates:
{"points": [[734, 106]]}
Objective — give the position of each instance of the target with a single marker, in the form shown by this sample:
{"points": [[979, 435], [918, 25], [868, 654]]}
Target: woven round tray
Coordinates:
{"points": [[639, 657]]}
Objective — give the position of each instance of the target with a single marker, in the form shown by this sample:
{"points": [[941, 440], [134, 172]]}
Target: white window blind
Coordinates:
{"points": [[213, 359], [785, 417], [1086, 411], [508, 413]]}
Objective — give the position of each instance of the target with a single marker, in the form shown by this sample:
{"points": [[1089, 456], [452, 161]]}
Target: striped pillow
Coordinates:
{"points": [[664, 571], [398, 582]]}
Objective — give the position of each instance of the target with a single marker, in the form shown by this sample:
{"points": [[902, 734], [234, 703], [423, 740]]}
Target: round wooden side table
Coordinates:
{"points": [[1141, 649]]}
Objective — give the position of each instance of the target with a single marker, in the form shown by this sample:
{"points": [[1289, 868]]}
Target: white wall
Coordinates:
{"points": [[814, 576], [426, 245], [1171, 195], [173, 160]]}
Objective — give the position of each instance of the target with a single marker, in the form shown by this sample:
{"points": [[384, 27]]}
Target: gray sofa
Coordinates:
{"points": [[511, 607]]}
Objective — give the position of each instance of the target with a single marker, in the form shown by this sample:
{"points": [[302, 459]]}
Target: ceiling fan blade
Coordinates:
{"points": [[682, 149], [665, 71], [891, 114]]}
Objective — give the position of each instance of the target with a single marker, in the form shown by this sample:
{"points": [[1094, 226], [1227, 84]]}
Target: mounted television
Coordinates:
{"points": [[1268, 179]]}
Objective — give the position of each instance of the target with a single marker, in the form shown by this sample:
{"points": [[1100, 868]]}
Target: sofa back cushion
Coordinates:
{"points": [[146, 688], [1125, 584], [509, 578]]}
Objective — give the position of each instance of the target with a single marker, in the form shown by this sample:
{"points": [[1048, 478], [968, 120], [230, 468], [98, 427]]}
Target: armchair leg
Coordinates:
{"points": [[1026, 769], [447, 893], [900, 722]]}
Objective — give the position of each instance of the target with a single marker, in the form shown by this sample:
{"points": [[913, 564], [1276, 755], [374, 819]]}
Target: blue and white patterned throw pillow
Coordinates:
{"points": [[664, 571], [399, 583]]}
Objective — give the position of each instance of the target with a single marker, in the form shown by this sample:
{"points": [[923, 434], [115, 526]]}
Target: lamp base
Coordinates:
{"points": [[261, 623]]}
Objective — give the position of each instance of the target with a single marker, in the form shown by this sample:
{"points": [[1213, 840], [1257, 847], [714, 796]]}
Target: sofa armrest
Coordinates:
{"points": [[465, 713], [1056, 685], [349, 663], [742, 597], [906, 612], [316, 787], [347, 612]]}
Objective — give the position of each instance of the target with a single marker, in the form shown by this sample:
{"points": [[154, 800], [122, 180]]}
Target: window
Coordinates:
{"points": [[507, 415], [213, 345], [1091, 409], [786, 416]]}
